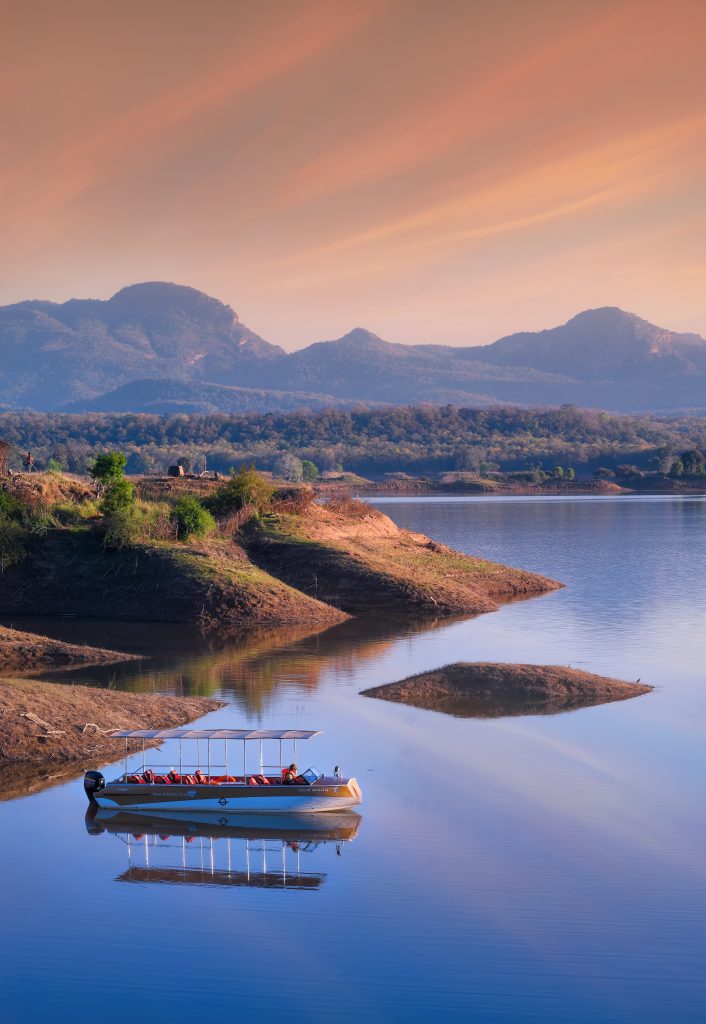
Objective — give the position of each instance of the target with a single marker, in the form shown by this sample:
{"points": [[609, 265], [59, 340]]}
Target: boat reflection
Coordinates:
{"points": [[264, 851]]}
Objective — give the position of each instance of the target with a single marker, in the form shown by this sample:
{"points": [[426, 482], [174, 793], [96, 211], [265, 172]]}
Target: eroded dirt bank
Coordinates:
{"points": [[20, 652], [489, 690], [52, 724], [350, 555]]}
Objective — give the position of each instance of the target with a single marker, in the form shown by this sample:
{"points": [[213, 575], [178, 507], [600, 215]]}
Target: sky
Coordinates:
{"points": [[444, 171]]}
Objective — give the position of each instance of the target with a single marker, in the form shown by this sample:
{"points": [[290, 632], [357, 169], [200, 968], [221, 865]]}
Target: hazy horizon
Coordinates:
{"points": [[447, 172]]}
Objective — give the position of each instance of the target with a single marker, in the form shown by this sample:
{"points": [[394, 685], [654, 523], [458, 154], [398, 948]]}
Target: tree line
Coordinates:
{"points": [[422, 439]]}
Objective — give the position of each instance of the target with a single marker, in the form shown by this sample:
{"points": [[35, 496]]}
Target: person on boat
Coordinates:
{"points": [[289, 775], [199, 775]]}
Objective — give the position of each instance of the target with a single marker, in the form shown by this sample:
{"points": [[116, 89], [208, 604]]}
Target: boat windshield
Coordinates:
{"points": [[311, 775]]}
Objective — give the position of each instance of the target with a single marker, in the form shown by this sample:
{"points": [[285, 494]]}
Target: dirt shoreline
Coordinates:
{"points": [[352, 556], [51, 724], [491, 690], [24, 652]]}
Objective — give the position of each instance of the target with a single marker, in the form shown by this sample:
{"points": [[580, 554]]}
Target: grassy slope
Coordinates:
{"points": [[357, 559], [211, 583]]}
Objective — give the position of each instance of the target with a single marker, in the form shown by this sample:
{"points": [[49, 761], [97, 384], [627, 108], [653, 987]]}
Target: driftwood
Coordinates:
{"points": [[50, 730]]}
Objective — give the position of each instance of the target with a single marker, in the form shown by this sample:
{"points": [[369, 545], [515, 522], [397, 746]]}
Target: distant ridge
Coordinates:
{"points": [[160, 347]]}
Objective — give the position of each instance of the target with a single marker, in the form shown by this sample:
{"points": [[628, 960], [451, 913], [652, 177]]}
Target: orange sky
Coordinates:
{"points": [[435, 170]]}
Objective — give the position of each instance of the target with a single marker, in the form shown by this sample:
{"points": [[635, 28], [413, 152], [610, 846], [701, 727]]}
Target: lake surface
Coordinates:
{"points": [[522, 869]]}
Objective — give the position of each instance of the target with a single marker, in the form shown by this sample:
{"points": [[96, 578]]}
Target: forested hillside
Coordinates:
{"points": [[422, 439]]}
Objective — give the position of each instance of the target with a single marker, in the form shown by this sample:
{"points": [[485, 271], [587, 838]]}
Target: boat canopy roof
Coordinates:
{"points": [[215, 734]]}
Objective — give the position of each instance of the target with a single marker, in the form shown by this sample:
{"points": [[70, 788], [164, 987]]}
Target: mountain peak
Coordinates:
{"points": [[155, 298], [603, 314], [360, 336]]}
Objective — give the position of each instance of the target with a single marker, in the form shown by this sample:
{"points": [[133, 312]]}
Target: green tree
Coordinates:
{"points": [[310, 471], [558, 473], [54, 466], [677, 469], [570, 474], [191, 518], [108, 466]]}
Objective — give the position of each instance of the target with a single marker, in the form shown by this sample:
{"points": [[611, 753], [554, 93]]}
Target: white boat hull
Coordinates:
{"points": [[327, 794]]}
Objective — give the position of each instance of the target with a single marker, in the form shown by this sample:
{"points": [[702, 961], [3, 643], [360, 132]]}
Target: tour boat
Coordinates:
{"points": [[189, 788]]}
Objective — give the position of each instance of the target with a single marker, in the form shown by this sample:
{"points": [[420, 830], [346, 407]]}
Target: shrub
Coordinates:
{"points": [[121, 528], [246, 487], [310, 470], [345, 505], [108, 467], [191, 518], [119, 495], [293, 499]]}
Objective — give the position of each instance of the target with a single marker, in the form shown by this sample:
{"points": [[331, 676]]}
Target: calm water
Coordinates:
{"points": [[527, 869]]}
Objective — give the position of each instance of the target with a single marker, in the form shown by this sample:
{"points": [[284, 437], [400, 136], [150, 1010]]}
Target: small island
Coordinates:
{"points": [[490, 690]]}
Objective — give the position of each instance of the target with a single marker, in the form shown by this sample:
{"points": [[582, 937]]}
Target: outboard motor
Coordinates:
{"points": [[93, 782]]}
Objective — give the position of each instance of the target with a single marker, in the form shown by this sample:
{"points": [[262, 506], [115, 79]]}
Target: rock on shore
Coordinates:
{"points": [[488, 690]]}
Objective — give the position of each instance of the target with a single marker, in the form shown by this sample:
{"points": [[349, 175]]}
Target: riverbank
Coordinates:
{"points": [[290, 559], [53, 724], [349, 554], [21, 652], [465, 484], [492, 690]]}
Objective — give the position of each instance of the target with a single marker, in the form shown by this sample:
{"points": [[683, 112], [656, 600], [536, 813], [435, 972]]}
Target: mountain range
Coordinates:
{"points": [[165, 348]]}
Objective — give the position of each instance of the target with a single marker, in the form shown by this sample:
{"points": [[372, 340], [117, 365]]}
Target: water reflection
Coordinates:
{"points": [[256, 851], [19, 780], [249, 669]]}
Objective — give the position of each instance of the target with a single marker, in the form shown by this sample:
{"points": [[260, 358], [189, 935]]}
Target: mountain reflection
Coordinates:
{"points": [[254, 851]]}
